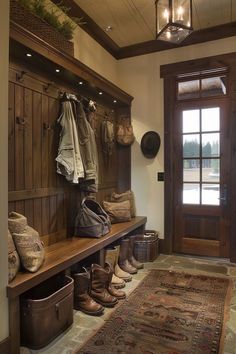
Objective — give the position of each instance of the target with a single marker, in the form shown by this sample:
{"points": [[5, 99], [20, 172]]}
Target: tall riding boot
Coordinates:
{"points": [[131, 257], [82, 300], [118, 271], [119, 294], [98, 291], [123, 258], [111, 256]]}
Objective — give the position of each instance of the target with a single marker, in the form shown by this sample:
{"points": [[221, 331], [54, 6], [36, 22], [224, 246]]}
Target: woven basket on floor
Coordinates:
{"points": [[40, 28]]}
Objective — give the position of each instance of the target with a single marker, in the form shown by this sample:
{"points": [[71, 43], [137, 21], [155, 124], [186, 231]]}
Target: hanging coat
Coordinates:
{"points": [[69, 162]]}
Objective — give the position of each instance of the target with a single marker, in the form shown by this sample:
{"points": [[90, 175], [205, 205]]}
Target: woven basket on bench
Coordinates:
{"points": [[39, 27]]}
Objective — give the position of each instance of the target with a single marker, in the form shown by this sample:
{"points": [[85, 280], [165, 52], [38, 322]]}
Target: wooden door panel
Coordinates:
{"points": [[199, 228]]}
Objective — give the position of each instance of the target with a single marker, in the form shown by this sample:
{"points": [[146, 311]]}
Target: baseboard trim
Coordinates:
{"points": [[5, 346]]}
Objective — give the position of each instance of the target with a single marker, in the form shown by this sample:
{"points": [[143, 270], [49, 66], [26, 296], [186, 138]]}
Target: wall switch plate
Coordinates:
{"points": [[160, 176]]}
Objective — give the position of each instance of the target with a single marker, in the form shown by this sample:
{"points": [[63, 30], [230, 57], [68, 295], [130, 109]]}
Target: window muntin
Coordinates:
{"points": [[201, 156]]}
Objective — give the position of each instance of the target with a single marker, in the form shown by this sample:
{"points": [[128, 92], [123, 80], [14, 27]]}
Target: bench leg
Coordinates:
{"points": [[14, 325]]}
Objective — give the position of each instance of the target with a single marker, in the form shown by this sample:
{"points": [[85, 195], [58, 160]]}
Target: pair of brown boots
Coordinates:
{"points": [[94, 291], [122, 259]]}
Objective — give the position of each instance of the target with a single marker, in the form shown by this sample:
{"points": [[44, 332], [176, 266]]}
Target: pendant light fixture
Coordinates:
{"points": [[173, 20]]}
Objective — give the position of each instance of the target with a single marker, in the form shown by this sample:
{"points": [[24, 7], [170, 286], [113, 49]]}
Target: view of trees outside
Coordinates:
{"points": [[208, 140]]}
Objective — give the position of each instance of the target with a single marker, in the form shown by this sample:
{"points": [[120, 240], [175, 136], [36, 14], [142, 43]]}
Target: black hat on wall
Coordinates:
{"points": [[150, 144]]}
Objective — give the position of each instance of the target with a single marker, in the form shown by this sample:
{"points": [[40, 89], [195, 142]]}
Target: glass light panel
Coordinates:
{"points": [[191, 193], [210, 119], [191, 121], [163, 15], [191, 145], [214, 86], [188, 89], [210, 194], [181, 12], [211, 170], [191, 170], [211, 144]]}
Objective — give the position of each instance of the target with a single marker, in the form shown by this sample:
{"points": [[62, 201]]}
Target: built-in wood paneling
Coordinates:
{"points": [[35, 189]]}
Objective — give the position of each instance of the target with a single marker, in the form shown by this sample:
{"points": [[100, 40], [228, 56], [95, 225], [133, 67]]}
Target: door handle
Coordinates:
{"points": [[223, 195]]}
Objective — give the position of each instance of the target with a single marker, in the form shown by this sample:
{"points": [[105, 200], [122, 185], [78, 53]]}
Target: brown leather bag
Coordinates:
{"points": [[91, 220], [118, 212]]}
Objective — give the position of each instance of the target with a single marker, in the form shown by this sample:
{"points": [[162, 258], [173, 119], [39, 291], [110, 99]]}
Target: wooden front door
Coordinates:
{"points": [[201, 174]]}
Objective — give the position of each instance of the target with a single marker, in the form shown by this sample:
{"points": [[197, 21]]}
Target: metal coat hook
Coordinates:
{"points": [[20, 120], [47, 86], [47, 126], [20, 76]]}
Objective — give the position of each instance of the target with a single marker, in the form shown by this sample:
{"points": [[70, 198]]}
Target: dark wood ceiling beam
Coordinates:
{"points": [[91, 27], [200, 36]]}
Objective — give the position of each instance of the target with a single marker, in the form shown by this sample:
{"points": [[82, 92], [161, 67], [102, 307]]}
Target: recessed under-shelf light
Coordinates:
{"points": [[57, 70], [100, 93], [108, 28], [28, 55]]}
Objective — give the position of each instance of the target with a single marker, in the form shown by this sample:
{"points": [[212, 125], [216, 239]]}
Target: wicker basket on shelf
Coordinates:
{"points": [[39, 27]]}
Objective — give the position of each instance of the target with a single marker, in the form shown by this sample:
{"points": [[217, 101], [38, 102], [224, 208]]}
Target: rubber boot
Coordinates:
{"points": [[98, 291], [119, 294], [118, 271], [131, 257], [82, 300], [111, 257], [123, 258]]}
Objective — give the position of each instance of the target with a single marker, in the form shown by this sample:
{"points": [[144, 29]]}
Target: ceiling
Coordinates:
{"points": [[127, 27], [133, 21]]}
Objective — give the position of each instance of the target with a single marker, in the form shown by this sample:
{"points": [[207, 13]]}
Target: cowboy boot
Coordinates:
{"points": [[123, 258], [98, 291], [118, 271], [131, 257], [110, 257], [82, 300], [119, 294]]}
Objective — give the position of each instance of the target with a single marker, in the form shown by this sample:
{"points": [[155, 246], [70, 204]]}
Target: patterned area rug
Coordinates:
{"points": [[168, 313]]}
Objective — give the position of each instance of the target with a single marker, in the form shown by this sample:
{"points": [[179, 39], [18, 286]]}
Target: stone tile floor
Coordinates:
{"points": [[84, 326]]}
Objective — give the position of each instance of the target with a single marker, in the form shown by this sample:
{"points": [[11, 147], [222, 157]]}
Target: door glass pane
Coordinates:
{"points": [[210, 119], [191, 193], [188, 89], [210, 194], [191, 145], [213, 86], [191, 121], [191, 170], [210, 145], [211, 170]]}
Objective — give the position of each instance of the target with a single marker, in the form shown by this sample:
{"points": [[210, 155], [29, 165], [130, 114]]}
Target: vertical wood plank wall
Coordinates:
{"points": [[35, 189]]}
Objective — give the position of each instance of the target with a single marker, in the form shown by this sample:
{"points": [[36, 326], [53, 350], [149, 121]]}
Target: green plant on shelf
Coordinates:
{"points": [[52, 14]]}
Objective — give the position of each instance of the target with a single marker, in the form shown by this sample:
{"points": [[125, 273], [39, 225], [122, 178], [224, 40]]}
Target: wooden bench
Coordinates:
{"points": [[59, 257]]}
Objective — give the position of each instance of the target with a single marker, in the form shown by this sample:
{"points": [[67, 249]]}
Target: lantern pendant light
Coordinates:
{"points": [[173, 20]]}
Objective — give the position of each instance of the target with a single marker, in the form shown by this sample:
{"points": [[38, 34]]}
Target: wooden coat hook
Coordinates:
{"points": [[20, 76]]}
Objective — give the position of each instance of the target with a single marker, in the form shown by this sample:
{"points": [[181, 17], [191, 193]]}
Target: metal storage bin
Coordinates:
{"points": [[146, 246], [46, 311]]}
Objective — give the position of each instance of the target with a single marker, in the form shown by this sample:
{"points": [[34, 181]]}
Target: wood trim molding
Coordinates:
{"points": [[5, 346], [69, 64], [199, 36], [91, 27]]}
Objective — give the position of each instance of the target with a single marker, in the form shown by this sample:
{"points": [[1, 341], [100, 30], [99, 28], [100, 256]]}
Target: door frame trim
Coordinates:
{"points": [[169, 73]]}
